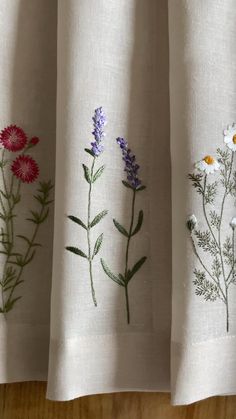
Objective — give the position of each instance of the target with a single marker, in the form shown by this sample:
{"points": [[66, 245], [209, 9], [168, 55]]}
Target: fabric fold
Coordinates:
{"points": [[110, 317]]}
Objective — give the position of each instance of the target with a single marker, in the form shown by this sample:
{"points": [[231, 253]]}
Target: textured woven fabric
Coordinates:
{"points": [[117, 196]]}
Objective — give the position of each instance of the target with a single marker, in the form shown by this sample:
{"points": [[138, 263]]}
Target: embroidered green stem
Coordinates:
{"points": [[127, 255], [124, 279], [127, 303], [38, 219], [221, 217], [88, 236], [227, 308], [7, 238], [205, 213]]}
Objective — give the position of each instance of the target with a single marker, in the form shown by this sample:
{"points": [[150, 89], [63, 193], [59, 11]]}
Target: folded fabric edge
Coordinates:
{"points": [[199, 370], [89, 365]]}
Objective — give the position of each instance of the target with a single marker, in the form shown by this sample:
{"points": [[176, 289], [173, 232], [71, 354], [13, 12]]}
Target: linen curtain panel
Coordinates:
{"points": [[117, 196]]}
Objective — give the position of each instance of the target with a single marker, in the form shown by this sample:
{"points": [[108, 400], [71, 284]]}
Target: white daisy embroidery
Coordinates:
{"points": [[208, 165], [230, 137], [233, 223]]}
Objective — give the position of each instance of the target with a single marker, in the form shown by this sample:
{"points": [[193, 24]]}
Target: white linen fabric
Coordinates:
{"points": [[202, 109], [114, 64], [28, 100], [88, 250]]}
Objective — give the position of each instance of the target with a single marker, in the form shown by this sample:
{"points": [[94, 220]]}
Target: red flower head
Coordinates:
{"points": [[13, 138], [25, 168], [34, 140]]}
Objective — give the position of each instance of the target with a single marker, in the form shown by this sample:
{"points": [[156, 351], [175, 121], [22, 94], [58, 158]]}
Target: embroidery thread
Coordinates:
{"points": [[134, 184], [91, 176], [24, 170], [213, 282]]}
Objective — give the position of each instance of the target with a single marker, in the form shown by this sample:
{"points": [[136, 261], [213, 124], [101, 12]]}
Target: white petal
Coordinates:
{"points": [[216, 165], [228, 139], [232, 146]]}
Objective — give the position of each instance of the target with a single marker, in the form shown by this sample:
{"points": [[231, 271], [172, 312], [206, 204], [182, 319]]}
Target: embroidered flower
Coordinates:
{"points": [[34, 140], [191, 222], [25, 168], [131, 167], [13, 138], [99, 122], [233, 223], [230, 137], [208, 165]]}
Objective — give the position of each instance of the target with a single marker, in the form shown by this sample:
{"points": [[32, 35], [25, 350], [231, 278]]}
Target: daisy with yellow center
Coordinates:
{"points": [[230, 137], [208, 165]]}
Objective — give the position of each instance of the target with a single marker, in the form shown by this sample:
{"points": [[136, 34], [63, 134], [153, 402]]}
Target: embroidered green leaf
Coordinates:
{"points": [[27, 261], [12, 286], [196, 179], [24, 238], [6, 196], [120, 228], [87, 174], [98, 173], [45, 187], [89, 151], [110, 274], [215, 219], [127, 184], [3, 163], [136, 267], [204, 287], [77, 221], [40, 199], [9, 305], [97, 245], [16, 198], [36, 217], [141, 188], [9, 276], [28, 241], [98, 218], [210, 192], [7, 217], [228, 251], [122, 278], [205, 242], [76, 251], [44, 216], [139, 223]]}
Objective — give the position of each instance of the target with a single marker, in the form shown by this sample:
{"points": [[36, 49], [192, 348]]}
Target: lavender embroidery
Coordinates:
{"points": [[135, 185], [216, 274], [91, 176]]}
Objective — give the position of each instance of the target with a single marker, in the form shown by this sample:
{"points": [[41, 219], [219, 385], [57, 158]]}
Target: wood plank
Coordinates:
{"points": [[27, 401]]}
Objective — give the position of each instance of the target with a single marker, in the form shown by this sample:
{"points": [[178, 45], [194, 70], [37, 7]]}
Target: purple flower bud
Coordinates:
{"points": [[99, 122], [131, 167], [97, 148]]}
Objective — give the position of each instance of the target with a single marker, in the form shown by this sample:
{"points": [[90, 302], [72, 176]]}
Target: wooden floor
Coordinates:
{"points": [[27, 401]]}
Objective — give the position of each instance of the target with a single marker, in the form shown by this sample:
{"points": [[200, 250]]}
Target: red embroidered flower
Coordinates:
{"points": [[25, 168], [34, 140], [13, 138]]}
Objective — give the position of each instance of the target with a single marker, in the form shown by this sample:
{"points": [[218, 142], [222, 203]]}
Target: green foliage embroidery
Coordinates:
{"points": [[133, 184], [214, 279], [24, 170], [91, 176]]}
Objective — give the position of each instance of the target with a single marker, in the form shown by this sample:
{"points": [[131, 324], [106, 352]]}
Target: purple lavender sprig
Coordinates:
{"points": [[131, 167], [99, 122], [133, 182], [90, 175]]}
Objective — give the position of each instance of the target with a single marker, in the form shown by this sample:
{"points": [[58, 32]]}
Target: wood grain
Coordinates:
{"points": [[27, 401]]}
